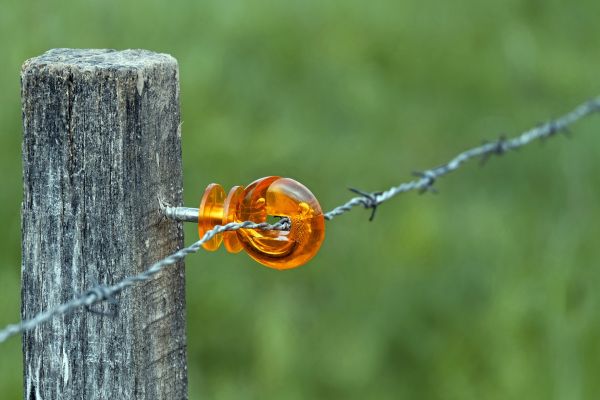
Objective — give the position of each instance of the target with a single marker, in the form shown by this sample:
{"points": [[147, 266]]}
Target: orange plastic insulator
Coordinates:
{"points": [[269, 196], [210, 214], [230, 209]]}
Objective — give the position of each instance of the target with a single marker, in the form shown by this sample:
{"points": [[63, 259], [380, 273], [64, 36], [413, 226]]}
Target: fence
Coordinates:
{"points": [[101, 154], [101, 144]]}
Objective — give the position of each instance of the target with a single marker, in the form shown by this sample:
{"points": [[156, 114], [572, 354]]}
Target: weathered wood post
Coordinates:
{"points": [[101, 146]]}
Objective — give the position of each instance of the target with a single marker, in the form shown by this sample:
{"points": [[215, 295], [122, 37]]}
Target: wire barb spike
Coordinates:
{"points": [[369, 200], [427, 181], [102, 293], [498, 148]]}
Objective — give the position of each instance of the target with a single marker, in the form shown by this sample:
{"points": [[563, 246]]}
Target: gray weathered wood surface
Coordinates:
{"points": [[101, 145]]}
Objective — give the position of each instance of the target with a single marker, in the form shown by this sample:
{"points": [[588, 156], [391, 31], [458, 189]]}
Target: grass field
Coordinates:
{"points": [[487, 290]]}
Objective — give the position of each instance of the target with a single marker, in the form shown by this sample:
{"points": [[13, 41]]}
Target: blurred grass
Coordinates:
{"points": [[487, 290]]}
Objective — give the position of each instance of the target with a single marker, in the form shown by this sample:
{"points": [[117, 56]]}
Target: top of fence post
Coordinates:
{"points": [[101, 147]]}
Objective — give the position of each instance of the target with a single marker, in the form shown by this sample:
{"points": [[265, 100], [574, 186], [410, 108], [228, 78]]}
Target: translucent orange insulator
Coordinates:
{"points": [[269, 196], [210, 214], [230, 208]]}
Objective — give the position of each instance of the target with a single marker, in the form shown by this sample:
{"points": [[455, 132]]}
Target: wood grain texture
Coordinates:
{"points": [[101, 145]]}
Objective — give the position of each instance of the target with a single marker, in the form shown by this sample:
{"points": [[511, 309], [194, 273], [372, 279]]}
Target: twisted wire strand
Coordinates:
{"points": [[102, 292], [371, 200], [427, 178]]}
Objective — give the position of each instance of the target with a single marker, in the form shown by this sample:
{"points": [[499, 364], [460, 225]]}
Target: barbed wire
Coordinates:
{"points": [[428, 177], [370, 200], [102, 292]]}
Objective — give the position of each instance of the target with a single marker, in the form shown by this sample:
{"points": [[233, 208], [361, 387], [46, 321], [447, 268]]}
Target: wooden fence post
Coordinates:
{"points": [[101, 146]]}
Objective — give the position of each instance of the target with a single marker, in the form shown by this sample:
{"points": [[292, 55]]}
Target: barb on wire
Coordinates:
{"points": [[371, 200], [498, 149]]}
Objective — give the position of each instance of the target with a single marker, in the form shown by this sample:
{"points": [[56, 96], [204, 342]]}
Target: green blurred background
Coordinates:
{"points": [[485, 291]]}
